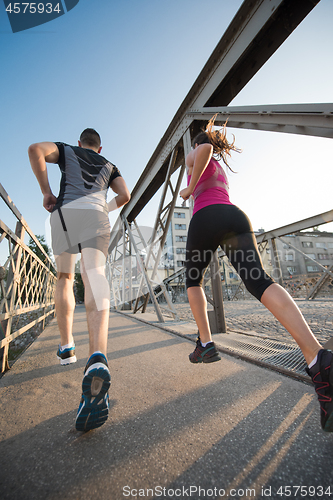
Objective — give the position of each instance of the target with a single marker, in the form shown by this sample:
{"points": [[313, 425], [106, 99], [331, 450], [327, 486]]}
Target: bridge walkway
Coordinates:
{"points": [[225, 427]]}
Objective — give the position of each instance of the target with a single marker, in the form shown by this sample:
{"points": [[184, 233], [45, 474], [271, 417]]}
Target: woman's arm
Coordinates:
{"points": [[201, 157]]}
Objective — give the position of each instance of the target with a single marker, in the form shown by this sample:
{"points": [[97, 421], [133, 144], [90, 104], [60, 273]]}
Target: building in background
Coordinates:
{"points": [[301, 253], [174, 253]]}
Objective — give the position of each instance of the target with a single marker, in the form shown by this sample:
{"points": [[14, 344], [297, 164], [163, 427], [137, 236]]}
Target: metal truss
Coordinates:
{"points": [[148, 256], [257, 30], [270, 236], [159, 235], [116, 265], [328, 273]]}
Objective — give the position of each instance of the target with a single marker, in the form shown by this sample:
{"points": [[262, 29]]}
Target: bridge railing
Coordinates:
{"points": [[27, 282]]}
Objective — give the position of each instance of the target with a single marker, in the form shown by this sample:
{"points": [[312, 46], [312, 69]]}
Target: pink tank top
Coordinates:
{"points": [[212, 187]]}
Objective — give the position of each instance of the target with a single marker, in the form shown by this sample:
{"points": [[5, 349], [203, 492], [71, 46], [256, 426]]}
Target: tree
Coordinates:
{"points": [[35, 248]]}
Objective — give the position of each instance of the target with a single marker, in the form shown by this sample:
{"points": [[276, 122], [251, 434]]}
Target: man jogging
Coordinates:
{"points": [[80, 224]]}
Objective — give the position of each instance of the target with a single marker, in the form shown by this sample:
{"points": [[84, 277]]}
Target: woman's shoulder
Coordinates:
{"points": [[202, 152], [203, 148]]}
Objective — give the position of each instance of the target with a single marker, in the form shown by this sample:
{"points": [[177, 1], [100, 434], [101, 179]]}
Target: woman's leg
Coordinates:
{"points": [[200, 247], [280, 303], [198, 304], [245, 257], [282, 306]]}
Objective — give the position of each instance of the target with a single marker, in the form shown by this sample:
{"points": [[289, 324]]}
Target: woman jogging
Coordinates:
{"points": [[216, 221]]}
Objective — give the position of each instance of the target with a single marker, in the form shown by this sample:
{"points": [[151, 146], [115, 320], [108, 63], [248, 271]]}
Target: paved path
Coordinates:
{"points": [[226, 427]]}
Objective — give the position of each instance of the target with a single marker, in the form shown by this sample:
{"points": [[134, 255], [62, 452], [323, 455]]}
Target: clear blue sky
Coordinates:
{"points": [[124, 67]]}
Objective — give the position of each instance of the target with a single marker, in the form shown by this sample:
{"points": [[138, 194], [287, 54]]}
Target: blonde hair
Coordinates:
{"points": [[217, 138]]}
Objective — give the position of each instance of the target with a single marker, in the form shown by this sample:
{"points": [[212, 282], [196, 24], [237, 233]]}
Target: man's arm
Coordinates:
{"points": [[118, 185], [39, 154]]}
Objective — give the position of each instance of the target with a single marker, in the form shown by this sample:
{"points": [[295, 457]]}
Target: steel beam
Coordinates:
{"points": [[301, 225], [304, 119]]}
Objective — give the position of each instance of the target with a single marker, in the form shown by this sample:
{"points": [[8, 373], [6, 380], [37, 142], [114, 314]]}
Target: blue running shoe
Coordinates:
{"points": [[322, 378], [94, 405], [66, 356]]}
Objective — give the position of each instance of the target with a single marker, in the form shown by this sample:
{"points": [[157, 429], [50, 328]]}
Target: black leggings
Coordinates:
{"points": [[229, 227]]}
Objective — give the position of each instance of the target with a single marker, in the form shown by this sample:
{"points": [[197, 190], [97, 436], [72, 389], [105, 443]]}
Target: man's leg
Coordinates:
{"points": [[96, 298], [65, 304], [94, 406]]}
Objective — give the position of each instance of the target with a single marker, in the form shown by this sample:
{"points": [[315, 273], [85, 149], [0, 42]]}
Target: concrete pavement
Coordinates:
{"points": [[176, 430]]}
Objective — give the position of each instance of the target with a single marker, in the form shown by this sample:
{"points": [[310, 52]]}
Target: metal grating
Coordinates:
{"points": [[284, 357]]}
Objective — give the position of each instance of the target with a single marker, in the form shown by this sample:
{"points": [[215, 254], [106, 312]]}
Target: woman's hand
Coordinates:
{"points": [[185, 193]]}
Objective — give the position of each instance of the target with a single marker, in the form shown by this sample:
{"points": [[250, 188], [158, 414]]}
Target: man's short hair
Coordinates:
{"points": [[90, 137]]}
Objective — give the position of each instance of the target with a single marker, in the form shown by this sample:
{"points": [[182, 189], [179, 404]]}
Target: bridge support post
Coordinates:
{"points": [[277, 274], [218, 324]]}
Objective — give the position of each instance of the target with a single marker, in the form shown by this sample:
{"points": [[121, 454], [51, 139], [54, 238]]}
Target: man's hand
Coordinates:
{"points": [[49, 200]]}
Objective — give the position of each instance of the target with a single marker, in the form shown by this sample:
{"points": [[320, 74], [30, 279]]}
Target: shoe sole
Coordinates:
{"points": [[67, 361], [328, 427], [94, 407], [212, 359]]}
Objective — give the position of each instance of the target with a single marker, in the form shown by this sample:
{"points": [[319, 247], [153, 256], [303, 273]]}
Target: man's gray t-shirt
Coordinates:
{"points": [[85, 178]]}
